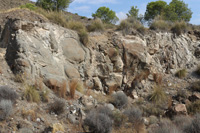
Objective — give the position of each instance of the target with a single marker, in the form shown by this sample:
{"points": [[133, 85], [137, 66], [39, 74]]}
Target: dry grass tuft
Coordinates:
{"points": [[1, 71], [158, 95], [112, 89], [157, 78], [80, 87], [142, 75], [181, 73], [45, 95], [29, 113], [160, 25], [131, 23], [31, 94], [194, 107], [57, 127], [39, 83], [112, 52], [179, 27], [119, 119], [83, 35], [75, 25], [63, 89], [96, 25], [195, 86], [73, 85], [20, 78], [58, 106]]}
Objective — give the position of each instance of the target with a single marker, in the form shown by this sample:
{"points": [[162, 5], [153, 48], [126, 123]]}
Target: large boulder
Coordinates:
{"points": [[42, 49]]}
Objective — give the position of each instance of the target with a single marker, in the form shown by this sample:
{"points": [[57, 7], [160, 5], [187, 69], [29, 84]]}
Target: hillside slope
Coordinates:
{"points": [[8, 4]]}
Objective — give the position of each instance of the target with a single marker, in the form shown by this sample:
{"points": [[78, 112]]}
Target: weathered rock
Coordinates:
{"points": [[56, 84], [42, 50], [49, 51], [110, 106], [73, 119], [72, 49], [71, 72], [114, 80], [180, 109], [134, 94], [97, 84]]}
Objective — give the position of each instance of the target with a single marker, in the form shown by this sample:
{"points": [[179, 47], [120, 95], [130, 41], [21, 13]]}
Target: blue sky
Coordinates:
{"points": [[121, 7]]}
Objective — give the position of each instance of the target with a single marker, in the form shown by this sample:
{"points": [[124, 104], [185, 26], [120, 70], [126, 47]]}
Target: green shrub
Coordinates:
{"points": [[29, 6], [158, 95], [181, 73], [31, 94], [194, 107], [96, 25], [179, 27], [83, 17], [195, 86], [55, 5]]}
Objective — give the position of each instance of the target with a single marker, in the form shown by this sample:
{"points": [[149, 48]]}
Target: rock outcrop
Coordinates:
{"points": [[111, 59]]}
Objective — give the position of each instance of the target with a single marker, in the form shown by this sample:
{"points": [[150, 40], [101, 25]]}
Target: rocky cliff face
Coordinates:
{"points": [[55, 54]]}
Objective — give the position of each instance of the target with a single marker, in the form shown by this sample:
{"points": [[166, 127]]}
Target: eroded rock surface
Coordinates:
{"points": [[110, 60]]}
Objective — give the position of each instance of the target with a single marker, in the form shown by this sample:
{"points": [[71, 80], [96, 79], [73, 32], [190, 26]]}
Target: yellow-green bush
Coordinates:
{"points": [[131, 23], [29, 6], [81, 29], [181, 73], [55, 17], [77, 26], [160, 25], [31, 94], [96, 25]]}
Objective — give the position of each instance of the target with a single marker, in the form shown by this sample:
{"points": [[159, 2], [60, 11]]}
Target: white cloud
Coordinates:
{"points": [[83, 9], [95, 1], [121, 16]]}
